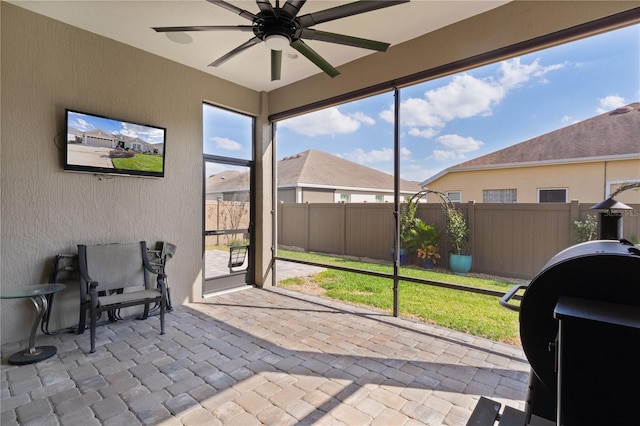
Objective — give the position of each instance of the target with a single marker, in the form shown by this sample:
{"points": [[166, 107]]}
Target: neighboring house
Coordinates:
{"points": [[228, 185], [586, 161], [317, 177], [100, 138]]}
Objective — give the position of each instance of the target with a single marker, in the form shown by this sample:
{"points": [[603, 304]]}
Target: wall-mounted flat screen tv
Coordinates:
{"points": [[103, 145]]}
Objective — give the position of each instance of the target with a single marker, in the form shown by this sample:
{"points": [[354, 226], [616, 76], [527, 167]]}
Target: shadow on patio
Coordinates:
{"points": [[264, 357]]}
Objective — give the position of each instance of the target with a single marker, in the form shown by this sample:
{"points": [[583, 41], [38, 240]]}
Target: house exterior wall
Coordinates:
{"points": [[311, 195], [48, 66], [287, 195], [584, 181], [365, 197]]}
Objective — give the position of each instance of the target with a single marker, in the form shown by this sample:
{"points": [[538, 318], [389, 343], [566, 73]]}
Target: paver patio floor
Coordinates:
{"points": [[271, 357]]}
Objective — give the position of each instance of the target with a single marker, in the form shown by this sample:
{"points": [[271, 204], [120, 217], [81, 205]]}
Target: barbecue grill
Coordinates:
{"points": [[580, 331]]}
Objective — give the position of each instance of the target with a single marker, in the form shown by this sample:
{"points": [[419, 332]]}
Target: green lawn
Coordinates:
{"points": [[471, 313], [142, 162]]}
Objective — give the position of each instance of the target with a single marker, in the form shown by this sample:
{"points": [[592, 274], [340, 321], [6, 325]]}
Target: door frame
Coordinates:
{"points": [[232, 280]]}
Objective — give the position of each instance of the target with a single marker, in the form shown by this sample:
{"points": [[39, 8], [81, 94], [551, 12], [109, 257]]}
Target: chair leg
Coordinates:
{"points": [[93, 328], [82, 321], [163, 303], [145, 313], [93, 335]]}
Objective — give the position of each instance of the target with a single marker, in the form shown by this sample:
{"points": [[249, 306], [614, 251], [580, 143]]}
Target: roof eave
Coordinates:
{"points": [[619, 157], [339, 188]]}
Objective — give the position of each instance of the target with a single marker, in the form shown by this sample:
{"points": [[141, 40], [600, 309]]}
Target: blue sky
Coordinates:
{"points": [[456, 118]]}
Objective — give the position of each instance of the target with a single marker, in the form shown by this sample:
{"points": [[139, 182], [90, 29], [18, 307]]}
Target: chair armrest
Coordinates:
{"points": [[147, 263]]}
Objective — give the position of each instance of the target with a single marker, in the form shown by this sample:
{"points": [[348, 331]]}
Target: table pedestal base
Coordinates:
{"points": [[25, 357]]}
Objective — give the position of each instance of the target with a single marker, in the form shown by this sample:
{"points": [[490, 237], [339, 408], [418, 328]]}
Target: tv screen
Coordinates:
{"points": [[103, 145]]}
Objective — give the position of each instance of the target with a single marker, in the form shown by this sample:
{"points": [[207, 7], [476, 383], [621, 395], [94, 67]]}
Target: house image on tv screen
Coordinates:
{"points": [[109, 144], [99, 138]]}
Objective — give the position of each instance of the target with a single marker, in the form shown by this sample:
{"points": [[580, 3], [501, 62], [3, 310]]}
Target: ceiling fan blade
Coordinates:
{"points": [[204, 28], [313, 56], [345, 10], [310, 34], [247, 15], [234, 52], [292, 7], [265, 6], [276, 64]]}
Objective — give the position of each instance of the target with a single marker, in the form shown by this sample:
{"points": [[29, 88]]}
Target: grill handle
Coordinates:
{"points": [[504, 301]]}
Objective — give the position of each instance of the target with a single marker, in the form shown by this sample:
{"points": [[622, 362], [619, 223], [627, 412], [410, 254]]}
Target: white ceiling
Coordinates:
{"points": [[130, 22]]}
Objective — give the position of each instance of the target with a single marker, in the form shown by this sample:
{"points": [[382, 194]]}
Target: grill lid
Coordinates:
{"points": [[597, 270]]}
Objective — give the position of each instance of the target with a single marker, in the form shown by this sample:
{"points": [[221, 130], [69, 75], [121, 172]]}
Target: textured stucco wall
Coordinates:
{"points": [[47, 67]]}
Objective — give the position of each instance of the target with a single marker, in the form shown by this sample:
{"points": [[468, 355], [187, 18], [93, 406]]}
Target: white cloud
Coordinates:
{"points": [[363, 118], [81, 124], [329, 121], [465, 96], [415, 112], [360, 156], [442, 156], [459, 144], [226, 143], [416, 172], [427, 133], [567, 120], [514, 73], [609, 103], [146, 133]]}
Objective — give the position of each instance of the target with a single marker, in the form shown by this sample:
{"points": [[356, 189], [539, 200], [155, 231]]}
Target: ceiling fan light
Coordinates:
{"points": [[277, 41]]}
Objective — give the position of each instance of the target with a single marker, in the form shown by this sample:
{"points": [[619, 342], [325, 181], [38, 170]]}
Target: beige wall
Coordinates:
{"points": [[47, 67], [585, 182], [310, 195]]}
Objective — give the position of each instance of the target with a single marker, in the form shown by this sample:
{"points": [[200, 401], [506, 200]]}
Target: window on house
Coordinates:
{"points": [[455, 196], [552, 195], [379, 198], [345, 198], [499, 195]]}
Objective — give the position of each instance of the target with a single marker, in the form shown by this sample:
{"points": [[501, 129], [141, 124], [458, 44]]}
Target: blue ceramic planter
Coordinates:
{"points": [[428, 264], [403, 255], [460, 264]]}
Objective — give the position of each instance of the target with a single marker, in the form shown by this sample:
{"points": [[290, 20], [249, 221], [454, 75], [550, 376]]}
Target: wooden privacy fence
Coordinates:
{"points": [[510, 240], [225, 215]]}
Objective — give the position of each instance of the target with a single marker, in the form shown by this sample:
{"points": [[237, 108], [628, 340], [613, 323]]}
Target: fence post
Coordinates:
{"points": [[218, 220], [279, 213], [343, 244], [471, 220], [306, 225], [574, 214]]}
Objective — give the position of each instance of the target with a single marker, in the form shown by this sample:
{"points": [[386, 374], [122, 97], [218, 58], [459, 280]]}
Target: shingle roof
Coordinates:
{"points": [[314, 167], [615, 133], [319, 169], [228, 180]]}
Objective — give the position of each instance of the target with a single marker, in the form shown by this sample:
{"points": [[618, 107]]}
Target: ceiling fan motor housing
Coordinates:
{"points": [[278, 24]]}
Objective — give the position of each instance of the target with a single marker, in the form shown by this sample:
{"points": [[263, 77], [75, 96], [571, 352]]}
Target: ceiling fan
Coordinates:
{"points": [[280, 27]]}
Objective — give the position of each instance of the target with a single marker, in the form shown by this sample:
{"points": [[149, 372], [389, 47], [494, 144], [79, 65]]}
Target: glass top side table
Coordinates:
{"points": [[37, 293]]}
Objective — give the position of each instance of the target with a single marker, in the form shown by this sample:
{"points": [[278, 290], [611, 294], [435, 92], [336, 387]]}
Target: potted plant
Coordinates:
{"points": [[458, 232], [424, 241], [429, 255], [407, 222]]}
